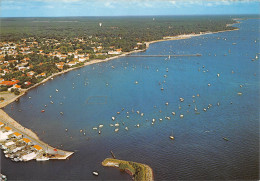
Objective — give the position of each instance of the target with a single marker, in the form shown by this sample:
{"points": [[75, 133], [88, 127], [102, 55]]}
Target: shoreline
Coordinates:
{"points": [[169, 38], [9, 121]]}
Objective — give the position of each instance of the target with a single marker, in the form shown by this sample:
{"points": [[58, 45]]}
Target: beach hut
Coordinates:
{"points": [[17, 135], [27, 141], [1, 124], [37, 147], [7, 129]]}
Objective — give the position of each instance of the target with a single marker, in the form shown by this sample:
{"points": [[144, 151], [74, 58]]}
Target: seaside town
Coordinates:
{"points": [[30, 61]]}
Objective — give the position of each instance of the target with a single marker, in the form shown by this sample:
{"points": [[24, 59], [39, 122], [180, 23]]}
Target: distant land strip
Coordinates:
{"points": [[185, 55]]}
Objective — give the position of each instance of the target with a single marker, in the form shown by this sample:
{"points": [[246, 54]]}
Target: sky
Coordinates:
{"points": [[57, 8]]}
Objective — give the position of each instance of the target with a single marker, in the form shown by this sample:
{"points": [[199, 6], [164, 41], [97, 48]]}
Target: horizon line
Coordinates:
{"points": [[131, 15]]}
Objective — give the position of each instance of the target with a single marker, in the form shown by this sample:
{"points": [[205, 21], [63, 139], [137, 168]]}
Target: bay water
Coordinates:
{"points": [[92, 95]]}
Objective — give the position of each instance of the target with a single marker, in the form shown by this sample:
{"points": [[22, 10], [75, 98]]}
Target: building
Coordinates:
{"points": [[1, 124], [8, 83], [17, 135], [37, 147], [41, 75], [72, 63], [59, 65], [8, 129], [27, 141], [30, 74], [15, 87]]}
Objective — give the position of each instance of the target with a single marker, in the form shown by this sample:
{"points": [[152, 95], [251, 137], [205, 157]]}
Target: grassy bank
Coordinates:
{"points": [[137, 170]]}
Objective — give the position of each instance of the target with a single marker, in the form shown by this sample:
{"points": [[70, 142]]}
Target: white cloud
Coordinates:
{"points": [[109, 5]]}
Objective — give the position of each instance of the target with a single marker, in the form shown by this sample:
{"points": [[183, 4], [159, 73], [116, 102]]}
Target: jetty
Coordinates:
{"points": [[184, 55], [138, 171]]}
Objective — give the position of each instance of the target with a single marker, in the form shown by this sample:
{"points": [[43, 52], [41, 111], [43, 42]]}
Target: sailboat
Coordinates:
{"points": [[196, 110], [171, 136]]}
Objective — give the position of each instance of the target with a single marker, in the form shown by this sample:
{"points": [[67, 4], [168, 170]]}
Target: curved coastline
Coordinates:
{"points": [[144, 171], [9, 121]]}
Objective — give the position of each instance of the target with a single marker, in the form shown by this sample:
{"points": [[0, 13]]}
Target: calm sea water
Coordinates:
{"points": [[92, 95]]}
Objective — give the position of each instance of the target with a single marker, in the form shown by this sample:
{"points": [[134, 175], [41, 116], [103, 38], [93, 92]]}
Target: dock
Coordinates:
{"points": [[184, 55]]}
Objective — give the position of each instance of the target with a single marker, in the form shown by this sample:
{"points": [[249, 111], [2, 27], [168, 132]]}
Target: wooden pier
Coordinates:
{"points": [[185, 55]]}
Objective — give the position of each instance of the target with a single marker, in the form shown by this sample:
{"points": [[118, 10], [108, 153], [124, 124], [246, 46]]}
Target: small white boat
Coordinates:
{"points": [[138, 125], [195, 109], [116, 130], [95, 173], [95, 128], [42, 159], [101, 126], [113, 118], [181, 116], [173, 113], [126, 128], [166, 103], [57, 90], [181, 99], [117, 124]]}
